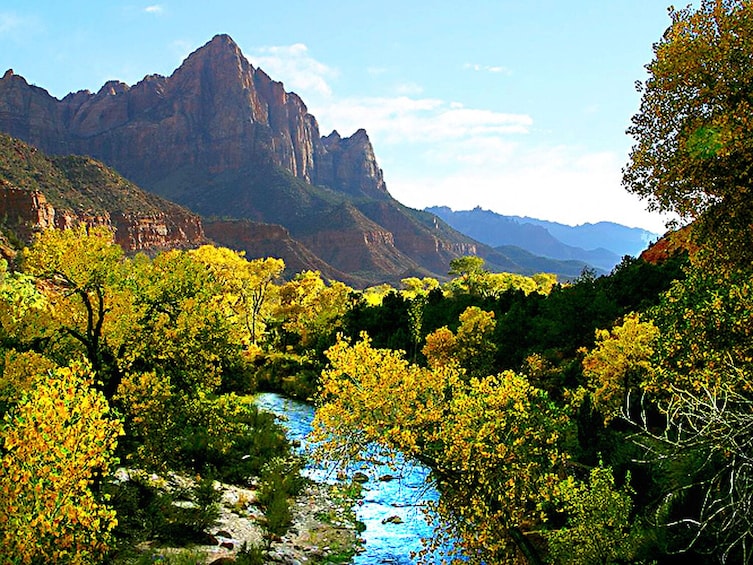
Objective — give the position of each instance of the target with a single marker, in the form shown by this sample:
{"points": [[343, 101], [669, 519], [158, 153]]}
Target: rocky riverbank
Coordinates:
{"points": [[324, 529]]}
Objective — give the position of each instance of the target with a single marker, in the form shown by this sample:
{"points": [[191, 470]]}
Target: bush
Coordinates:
{"points": [[222, 436], [253, 555], [280, 480], [151, 508], [293, 375]]}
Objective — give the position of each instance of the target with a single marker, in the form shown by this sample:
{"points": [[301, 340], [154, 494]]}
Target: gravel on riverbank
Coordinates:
{"points": [[323, 530]]}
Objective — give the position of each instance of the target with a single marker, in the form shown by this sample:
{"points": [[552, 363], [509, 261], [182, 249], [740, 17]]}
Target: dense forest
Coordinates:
{"points": [[606, 420]]}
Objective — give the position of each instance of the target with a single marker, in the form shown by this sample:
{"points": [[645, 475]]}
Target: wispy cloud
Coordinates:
{"points": [[296, 67], [8, 22], [487, 68], [404, 119], [12, 24], [409, 89], [155, 9]]}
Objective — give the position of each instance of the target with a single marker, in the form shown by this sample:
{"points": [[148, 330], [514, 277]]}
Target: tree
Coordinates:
{"points": [[599, 526], [702, 460], [311, 308], [82, 266], [694, 131], [619, 364], [248, 284], [56, 443], [471, 348], [470, 270], [182, 328], [493, 444]]}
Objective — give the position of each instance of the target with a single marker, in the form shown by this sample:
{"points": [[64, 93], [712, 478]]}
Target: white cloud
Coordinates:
{"points": [[409, 89], [488, 68], [296, 68], [403, 119], [154, 9], [443, 153]]}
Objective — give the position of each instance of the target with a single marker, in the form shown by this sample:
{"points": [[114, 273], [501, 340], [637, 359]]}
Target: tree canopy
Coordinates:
{"points": [[694, 131]]}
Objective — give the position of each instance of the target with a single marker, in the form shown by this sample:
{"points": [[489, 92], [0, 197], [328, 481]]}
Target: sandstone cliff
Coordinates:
{"points": [[260, 240], [215, 112], [38, 192]]}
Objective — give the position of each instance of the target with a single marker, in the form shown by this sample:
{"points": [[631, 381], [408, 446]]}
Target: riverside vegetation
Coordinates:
{"points": [[607, 420]]}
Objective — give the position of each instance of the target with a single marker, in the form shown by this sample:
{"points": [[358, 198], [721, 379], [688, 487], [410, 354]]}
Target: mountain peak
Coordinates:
{"points": [[220, 57], [221, 45]]}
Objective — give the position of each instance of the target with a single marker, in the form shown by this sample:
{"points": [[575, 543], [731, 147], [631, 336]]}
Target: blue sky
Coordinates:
{"points": [[516, 106]]}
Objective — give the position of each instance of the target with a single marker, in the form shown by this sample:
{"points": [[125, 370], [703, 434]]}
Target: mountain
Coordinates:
{"points": [[223, 139], [601, 245], [37, 191]]}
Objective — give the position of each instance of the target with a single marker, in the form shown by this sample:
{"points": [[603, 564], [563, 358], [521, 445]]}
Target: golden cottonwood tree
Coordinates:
{"points": [[82, 267], [471, 347], [56, 443], [620, 363], [493, 444], [694, 128], [311, 308], [249, 285]]}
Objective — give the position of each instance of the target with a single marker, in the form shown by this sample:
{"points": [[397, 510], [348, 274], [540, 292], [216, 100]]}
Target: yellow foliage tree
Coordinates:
{"points": [[312, 308], [249, 285], [81, 267], [620, 363], [56, 443], [493, 444], [471, 347]]}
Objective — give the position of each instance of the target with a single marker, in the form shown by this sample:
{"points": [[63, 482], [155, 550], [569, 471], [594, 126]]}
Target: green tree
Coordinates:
{"points": [[470, 272], [694, 131], [599, 527]]}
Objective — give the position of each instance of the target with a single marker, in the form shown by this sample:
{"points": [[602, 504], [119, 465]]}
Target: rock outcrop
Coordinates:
{"points": [[37, 193], [260, 240], [216, 112]]}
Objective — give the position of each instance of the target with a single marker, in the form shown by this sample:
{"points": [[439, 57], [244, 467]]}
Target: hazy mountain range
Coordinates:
{"points": [[601, 245]]}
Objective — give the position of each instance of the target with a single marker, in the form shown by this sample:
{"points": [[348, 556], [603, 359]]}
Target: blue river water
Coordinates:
{"points": [[403, 497]]}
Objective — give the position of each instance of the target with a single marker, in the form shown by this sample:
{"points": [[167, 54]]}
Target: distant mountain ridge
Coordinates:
{"points": [[601, 245]]}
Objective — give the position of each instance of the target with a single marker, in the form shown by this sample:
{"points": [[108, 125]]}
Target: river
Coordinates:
{"points": [[386, 542]]}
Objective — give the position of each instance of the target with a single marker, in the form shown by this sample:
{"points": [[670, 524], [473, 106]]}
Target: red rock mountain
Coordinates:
{"points": [[37, 192], [225, 140]]}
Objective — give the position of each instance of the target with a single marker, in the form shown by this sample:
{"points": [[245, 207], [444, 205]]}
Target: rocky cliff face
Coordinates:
{"points": [[269, 240], [27, 212], [38, 192], [225, 140], [215, 112]]}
